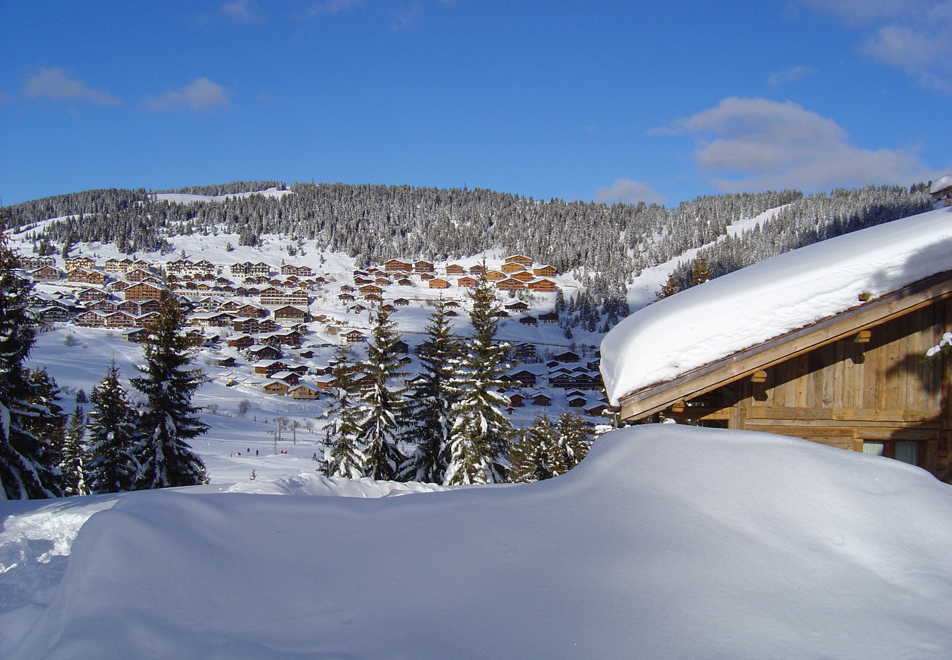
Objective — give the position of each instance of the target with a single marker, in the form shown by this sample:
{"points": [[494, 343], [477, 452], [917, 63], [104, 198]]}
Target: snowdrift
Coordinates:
{"points": [[666, 542]]}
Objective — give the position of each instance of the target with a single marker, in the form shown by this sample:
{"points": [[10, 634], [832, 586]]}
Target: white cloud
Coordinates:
{"points": [[628, 191], [913, 35], [240, 10], [201, 94], [787, 76], [333, 6], [55, 84], [758, 144]]}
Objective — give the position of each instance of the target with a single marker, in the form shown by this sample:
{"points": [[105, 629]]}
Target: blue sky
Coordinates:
{"points": [[578, 100]]}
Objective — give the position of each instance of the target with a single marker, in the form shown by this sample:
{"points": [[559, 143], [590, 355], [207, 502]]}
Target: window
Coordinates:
{"points": [[902, 450]]}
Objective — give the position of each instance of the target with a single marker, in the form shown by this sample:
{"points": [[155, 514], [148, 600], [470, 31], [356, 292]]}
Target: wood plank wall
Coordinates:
{"points": [[846, 392]]}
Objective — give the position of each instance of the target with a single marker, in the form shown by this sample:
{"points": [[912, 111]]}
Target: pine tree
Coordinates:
{"points": [[573, 440], [168, 419], [27, 462], [342, 455], [532, 457], [430, 405], [382, 404], [111, 467], [669, 288], [479, 440], [74, 461], [46, 419], [700, 272]]}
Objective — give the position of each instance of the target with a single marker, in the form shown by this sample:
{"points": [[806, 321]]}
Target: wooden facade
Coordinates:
{"points": [[859, 381]]}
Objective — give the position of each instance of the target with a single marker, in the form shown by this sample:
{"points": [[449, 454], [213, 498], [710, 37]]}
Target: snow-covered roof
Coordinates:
{"points": [[747, 307], [941, 183]]}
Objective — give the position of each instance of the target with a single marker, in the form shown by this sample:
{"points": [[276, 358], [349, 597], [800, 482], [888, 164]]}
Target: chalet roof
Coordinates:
{"points": [[818, 293], [941, 183]]}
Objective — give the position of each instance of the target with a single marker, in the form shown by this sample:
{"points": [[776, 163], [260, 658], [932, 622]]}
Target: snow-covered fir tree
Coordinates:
{"points": [[548, 450], [111, 429], [343, 456], [73, 465], [533, 455], [46, 419], [382, 404], [27, 462], [481, 433], [573, 440], [168, 419], [430, 405]]}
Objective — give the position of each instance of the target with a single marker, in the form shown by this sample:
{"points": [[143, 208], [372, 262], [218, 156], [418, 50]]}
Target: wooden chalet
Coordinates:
{"points": [[395, 265], [423, 267], [467, 282], [510, 284], [857, 381], [439, 283], [276, 387], [304, 392], [543, 285], [290, 314], [520, 259], [544, 271], [143, 291], [510, 268], [46, 274], [353, 337], [941, 192]]}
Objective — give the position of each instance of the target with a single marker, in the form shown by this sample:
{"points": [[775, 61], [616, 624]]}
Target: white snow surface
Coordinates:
{"points": [[737, 311], [186, 198], [666, 542]]}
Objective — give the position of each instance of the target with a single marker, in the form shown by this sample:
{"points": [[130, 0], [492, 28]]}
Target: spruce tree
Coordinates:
{"points": [[430, 405], [111, 467], [73, 465], [342, 455], [382, 404], [479, 440], [532, 457], [573, 440], [45, 417], [27, 462], [168, 419]]}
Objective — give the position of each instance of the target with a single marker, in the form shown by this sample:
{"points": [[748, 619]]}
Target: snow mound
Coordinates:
{"points": [[666, 542], [309, 483], [772, 297]]}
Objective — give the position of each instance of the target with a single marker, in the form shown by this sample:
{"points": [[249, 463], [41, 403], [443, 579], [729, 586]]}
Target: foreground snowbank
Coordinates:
{"points": [[772, 297], [666, 542]]}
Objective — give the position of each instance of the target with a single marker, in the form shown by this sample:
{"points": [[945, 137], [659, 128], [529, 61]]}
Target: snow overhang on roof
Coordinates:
{"points": [[771, 298], [941, 183]]}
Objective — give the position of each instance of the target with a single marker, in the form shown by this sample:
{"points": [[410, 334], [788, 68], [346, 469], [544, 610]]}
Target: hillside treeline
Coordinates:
{"points": [[605, 246]]}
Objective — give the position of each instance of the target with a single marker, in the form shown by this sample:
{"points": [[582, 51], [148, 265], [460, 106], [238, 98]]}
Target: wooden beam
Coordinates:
{"points": [[758, 377], [654, 398], [863, 336]]}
